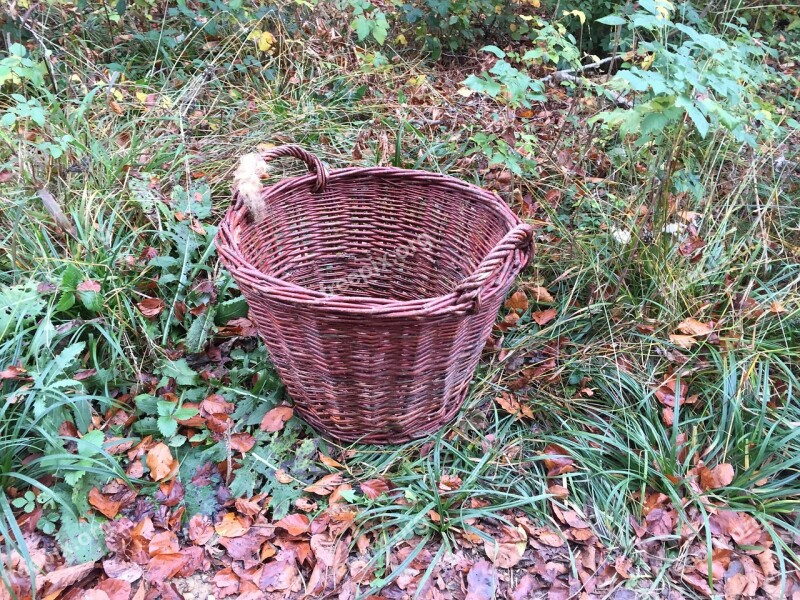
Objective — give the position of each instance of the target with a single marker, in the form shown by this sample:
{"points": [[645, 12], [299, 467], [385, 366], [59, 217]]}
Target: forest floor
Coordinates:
{"points": [[631, 432]]}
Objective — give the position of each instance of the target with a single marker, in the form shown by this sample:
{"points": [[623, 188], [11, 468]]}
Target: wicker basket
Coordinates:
{"points": [[374, 289]]}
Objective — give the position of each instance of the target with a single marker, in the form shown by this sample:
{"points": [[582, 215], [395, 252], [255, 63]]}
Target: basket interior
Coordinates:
{"points": [[375, 237]]}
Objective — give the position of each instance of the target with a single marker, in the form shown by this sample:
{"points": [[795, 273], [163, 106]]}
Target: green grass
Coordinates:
{"points": [[126, 175]]}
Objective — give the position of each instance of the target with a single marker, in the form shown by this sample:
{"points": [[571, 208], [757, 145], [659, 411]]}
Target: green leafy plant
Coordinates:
{"points": [[681, 73]]}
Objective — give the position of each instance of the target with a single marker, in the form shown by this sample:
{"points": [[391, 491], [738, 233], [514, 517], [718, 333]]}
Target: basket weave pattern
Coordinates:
{"points": [[374, 290]]}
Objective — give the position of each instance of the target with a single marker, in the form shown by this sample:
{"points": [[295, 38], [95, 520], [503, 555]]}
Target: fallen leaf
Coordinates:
{"points": [[524, 588], [449, 483], [374, 488], [294, 524], [543, 317], [694, 327], [558, 461], [242, 442], [151, 307], [720, 476], [88, 285], [507, 553], [684, 341], [326, 485], [541, 294], [511, 405], [231, 526], [109, 508], [165, 542], [165, 566], [160, 462], [481, 581], [200, 529], [12, 372], [276, 418], [115, 589], [777, 308], [743, 528], [279, 576], [550, 538], [64, 577], [517, 301], [329, 462]]}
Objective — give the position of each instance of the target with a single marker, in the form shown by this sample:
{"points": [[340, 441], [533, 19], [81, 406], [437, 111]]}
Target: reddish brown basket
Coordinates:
{"points": [[374, 289]]}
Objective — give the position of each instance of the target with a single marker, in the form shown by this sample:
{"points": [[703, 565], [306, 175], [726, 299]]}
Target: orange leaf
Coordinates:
{"points": [[325, 486], [684, 341], [719, 476], [329, 462], [294, 524], [541, 294], [101, 502], [374, 488], [695, 327], [200, 529], [231, 526], [151, 307], [517, 301], [165, 542], [543, 317], [275, 419], [160, 462], [559, 463], [242, 442]]}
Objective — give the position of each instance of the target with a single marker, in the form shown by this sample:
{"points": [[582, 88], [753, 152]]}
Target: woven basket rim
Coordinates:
{"points": [[227, 239]]}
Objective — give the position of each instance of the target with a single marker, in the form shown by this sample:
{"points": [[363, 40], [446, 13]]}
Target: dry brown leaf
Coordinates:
{"points": [[540, 294], [164, 566], [683, 341], [231, 525], [151, 307], [329, 462], [88, 285], [109, 508], [506, 554], [326, 485], [694, 327], [550, 538], [543, 317], [242, 442], [511, 405], [200, 529], [115, 589], [161, 463], [449, 483], [64, 577], [777, 308], [517, 301], [481, 581], [743, 528], [294, 524], [276, 418], [374, 488], [279, 576], [165, 542], [720, 476], [558, 462]]}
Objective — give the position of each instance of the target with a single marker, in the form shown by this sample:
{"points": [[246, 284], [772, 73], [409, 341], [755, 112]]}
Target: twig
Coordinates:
{"points": [[568, 74], [615, 97]]}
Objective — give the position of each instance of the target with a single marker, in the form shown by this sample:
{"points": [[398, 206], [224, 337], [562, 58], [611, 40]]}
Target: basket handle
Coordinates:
{"points": [[469, 290], [247, 178], [312, 161]]}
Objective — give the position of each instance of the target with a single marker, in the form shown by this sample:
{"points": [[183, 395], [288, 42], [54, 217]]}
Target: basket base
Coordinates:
{"points": [[387, 435]]}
